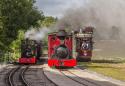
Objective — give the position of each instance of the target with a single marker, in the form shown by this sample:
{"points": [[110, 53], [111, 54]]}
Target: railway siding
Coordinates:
{"points": [[24, 75], [96, 78], [80, 80], [35, 76], [3, 74], [59, 78], [43, 75], [16, 77], [77, 77]]}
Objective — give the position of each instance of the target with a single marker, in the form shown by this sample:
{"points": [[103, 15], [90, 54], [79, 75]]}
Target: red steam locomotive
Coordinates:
{"points": [[30, 51], [84, 44], [60, 50]]}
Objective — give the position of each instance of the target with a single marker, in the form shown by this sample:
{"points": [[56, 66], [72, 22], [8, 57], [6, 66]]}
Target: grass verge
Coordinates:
{"points": [[114, 70]]}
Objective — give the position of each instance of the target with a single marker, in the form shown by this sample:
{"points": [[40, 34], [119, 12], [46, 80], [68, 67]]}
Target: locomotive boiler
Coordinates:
{"points": [[60, 49], [84, 43], [31, 51]]}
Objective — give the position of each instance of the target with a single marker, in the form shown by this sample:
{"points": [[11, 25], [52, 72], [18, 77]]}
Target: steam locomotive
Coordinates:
{"points": [[84, 44], [60, 49], [31, 51]]}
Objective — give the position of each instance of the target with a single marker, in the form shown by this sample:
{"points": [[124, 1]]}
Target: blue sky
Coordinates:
{"points": [[56, 8]]}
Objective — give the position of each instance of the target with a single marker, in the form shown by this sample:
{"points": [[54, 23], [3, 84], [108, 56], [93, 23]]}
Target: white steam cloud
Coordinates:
{"points": [[37, 34]]}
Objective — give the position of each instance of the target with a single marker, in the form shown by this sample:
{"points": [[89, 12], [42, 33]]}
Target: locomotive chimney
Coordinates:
{"points": [[61, 34], [80, 31]]}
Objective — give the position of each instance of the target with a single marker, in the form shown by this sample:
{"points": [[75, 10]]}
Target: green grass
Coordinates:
{"points": [[114, 70]]}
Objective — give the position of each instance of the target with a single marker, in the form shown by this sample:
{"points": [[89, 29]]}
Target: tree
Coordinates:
{"points": [[48, 21], [16, 15], [16, 45]]}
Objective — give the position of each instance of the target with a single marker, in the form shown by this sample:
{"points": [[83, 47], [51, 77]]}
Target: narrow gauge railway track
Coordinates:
{"points": [[36, 77], [3, 74], [53, 83], [16, 77], [78, 79]]}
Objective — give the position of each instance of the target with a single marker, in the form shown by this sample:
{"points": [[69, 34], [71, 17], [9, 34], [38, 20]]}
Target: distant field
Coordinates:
{"points": [[109, 50], [108, 59]]}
